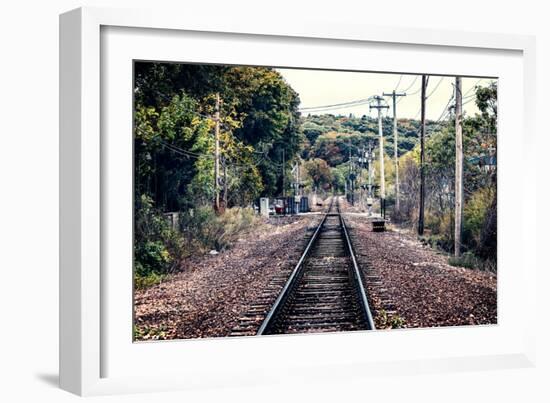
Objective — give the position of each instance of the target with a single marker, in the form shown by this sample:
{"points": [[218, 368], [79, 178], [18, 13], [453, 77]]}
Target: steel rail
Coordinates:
{"points": [[279, 303], [360, 288]]}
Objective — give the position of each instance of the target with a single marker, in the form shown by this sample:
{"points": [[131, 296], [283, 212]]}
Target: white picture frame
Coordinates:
{"points": [[84, 302]]}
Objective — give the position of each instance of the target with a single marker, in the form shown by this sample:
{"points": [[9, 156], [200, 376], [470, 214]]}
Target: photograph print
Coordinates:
{"points": [[273, 201]]}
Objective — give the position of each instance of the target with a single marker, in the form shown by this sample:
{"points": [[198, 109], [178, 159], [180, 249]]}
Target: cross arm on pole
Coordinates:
{"points": [[379, 106]]}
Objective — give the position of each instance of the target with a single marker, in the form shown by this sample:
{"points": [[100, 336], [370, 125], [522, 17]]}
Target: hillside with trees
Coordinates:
{"points": [[335, 139]]}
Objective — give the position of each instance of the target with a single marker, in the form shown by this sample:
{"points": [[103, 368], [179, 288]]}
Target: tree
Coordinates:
{"points": [[480, 202], [320, 173], [259, 118], [162, 169]]}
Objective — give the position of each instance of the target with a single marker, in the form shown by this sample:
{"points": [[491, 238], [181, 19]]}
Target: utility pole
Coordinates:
{"points": [[224, 184], [379, 106], [371, 173], [346, 189], [422, 135], [296, 179], [361, 165], [284, 195], [458, 166], [352, 182], [299, 178], [350, 173], [217, 155], [394, 95], [349, 167]]}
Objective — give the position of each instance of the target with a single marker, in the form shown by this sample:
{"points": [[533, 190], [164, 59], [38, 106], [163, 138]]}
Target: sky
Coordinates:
{"points": [[323, 87]]}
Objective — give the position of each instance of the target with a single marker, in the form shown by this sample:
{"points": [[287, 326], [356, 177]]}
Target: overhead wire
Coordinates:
{"points": [[335, 106], [411, 85], [364, 101], [398, 82], [195, 155], [436, 87], [357, 102]]}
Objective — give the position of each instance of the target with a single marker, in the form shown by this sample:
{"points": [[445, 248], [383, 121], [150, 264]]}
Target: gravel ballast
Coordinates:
{"points": [[417, 282], [409, 284]]}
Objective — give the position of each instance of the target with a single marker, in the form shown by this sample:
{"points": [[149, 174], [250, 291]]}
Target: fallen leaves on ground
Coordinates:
{"points": [[418, 282], [207, 296]]}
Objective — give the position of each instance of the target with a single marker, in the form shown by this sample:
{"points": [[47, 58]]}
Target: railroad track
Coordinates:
{"points": [[324, 292]]}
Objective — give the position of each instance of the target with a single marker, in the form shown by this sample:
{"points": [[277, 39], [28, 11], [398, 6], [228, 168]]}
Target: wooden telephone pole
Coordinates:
{"points": [[370, 157], [217, 155], [394, 95], [362, 160], [422, 135], [458, 166], [283, 169], [224, 184], [379, 106], [351, 187]]}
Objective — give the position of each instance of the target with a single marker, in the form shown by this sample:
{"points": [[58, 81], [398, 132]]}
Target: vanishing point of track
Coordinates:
{"points": [[324, 292]]}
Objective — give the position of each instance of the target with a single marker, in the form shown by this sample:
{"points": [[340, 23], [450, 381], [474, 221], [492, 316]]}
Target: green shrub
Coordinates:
{"points": [[157, 248], [389, 321], [152, 257], [150, 333], [467, 260], [475, 212], [205, 230], [147, 280], [438, 241]]}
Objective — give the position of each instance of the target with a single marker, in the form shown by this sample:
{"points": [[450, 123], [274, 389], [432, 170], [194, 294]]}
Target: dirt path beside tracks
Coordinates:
{"points": [[417, 284], [210, 292]]}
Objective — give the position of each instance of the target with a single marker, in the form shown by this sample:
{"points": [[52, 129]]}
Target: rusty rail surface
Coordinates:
{"points": [[325, 291]]}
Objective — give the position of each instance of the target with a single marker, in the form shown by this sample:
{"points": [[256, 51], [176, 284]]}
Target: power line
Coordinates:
{"points": [[446, 109], [333, 109], [398, 82], [180, 152], [191, 154], [467, 102], [436, 86], [335, 106], [410, 86], [187, 153], [357, 102], [473, 86], [417, 91], [170, 100], [183, 151], [361, 102]]}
